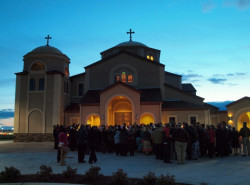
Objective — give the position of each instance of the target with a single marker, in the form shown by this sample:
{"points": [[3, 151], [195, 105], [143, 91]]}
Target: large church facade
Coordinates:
{"points": [[128, 85]]}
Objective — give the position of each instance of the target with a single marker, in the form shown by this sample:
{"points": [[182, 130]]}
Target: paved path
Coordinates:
{"points": [[28, 157]]}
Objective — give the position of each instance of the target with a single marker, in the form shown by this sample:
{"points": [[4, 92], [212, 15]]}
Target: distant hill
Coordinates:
{"points": [[220, 104]]}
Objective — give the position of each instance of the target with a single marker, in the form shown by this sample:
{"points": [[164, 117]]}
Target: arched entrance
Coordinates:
{"points": [[93, 120], [119, 111], [147, 118], [244, 117]]}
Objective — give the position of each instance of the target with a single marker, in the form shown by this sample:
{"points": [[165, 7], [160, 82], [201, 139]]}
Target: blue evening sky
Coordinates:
{"points": [[206, 41]]}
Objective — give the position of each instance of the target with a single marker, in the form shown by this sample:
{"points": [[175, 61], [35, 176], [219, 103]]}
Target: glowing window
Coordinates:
{"points": [[148, 57], [117, 78], [130, 78], [124, 77], [38, 66], [66, 72], [152, 58]]}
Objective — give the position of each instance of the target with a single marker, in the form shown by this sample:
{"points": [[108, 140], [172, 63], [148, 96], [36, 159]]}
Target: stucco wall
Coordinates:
{"points": [[183, 116]]}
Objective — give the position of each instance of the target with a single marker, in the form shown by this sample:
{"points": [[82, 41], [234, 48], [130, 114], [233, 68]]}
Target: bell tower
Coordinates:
{"points": [[42, 93]]}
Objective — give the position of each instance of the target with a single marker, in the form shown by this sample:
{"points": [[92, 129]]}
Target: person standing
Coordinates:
{"points": [[235, 141], [157, 137], [63, 145], [82, 141], [245, 133], [181, 139], [117, 140], [92, 140]]}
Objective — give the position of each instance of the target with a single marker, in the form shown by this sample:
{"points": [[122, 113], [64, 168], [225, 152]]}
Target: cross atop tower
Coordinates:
{"points": [[48, 37], [130, 32]]}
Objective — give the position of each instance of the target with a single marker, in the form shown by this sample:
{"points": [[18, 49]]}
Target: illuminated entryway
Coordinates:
{"points": [[93, 120], [119, 111], [245, 117], [147, 118]]}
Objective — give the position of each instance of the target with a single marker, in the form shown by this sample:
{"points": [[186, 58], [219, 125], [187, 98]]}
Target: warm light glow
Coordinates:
{"points": [[147, 119], [148, 57], [130, 78], [152, 58], [66, 72], [38, 66], [117, 78], [124, 77], [93, 120]]}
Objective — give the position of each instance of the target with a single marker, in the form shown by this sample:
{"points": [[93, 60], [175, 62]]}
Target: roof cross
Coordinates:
{"points": [[48, 37], [130, 32]]}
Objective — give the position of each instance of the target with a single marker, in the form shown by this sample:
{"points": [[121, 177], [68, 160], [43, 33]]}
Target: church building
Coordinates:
{"points": [[129, 84]]}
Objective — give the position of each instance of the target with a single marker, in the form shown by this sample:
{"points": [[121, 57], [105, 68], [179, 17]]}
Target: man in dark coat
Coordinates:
{"points": [[82, 140], [92, 140]]}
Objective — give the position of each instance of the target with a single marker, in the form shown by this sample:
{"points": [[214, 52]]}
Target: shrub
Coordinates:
{"points": [[10, 173], [93, 173], [69, 173], [45, 172], [120, 178], [166, 180], [149, 179]]}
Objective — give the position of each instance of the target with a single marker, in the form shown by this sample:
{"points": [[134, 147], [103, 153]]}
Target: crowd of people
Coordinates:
{"points": [[167, 142]]}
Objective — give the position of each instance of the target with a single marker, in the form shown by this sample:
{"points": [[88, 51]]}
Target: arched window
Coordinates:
{"points": [[32, 84], [38, 66], [130, 78], [124, 77], [41, 84], [117, 78]]}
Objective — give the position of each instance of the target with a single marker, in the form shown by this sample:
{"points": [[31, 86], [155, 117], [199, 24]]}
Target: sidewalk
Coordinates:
{"points": [[28, 157]]}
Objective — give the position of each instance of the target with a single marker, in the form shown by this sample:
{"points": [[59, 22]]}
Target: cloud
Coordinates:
{"points": [[217, 80], [240, 4], [6, 113], [207, 5], [192, 77]]}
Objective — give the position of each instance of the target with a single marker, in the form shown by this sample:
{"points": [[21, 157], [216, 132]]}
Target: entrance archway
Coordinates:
{"points": [[93, 120], [119, 111], [244, 117], [147, 118]]}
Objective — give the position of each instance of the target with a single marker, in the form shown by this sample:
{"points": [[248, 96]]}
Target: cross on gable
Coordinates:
{"points": [[48, 37], [130, 32]]}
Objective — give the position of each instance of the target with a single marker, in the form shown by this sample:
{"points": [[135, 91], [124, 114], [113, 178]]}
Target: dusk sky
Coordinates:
{"points": [[205, 41]]}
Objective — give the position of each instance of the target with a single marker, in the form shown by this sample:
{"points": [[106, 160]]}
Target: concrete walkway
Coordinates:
{"points": [[28, 157]]}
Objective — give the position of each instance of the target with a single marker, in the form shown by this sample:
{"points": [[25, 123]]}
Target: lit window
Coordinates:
{"points": [[117, 78], [41, 84], [152, 58], [66, 72], [124, 77], [148, 57], [38, 66], [130, 78], [32, 84]]}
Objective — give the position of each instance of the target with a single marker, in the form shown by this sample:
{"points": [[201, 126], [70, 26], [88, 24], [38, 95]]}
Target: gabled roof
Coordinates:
{"points": [[73, 107], [151, 95], [211, 106], [173, 74], [188, 87], [78, 75], [237, 101], [186, 93], [119, 83], [91, 97], [182, 105], [128, 53]]}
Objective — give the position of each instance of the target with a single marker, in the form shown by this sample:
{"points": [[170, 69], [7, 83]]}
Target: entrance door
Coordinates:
{"points": [[123, 117]]}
